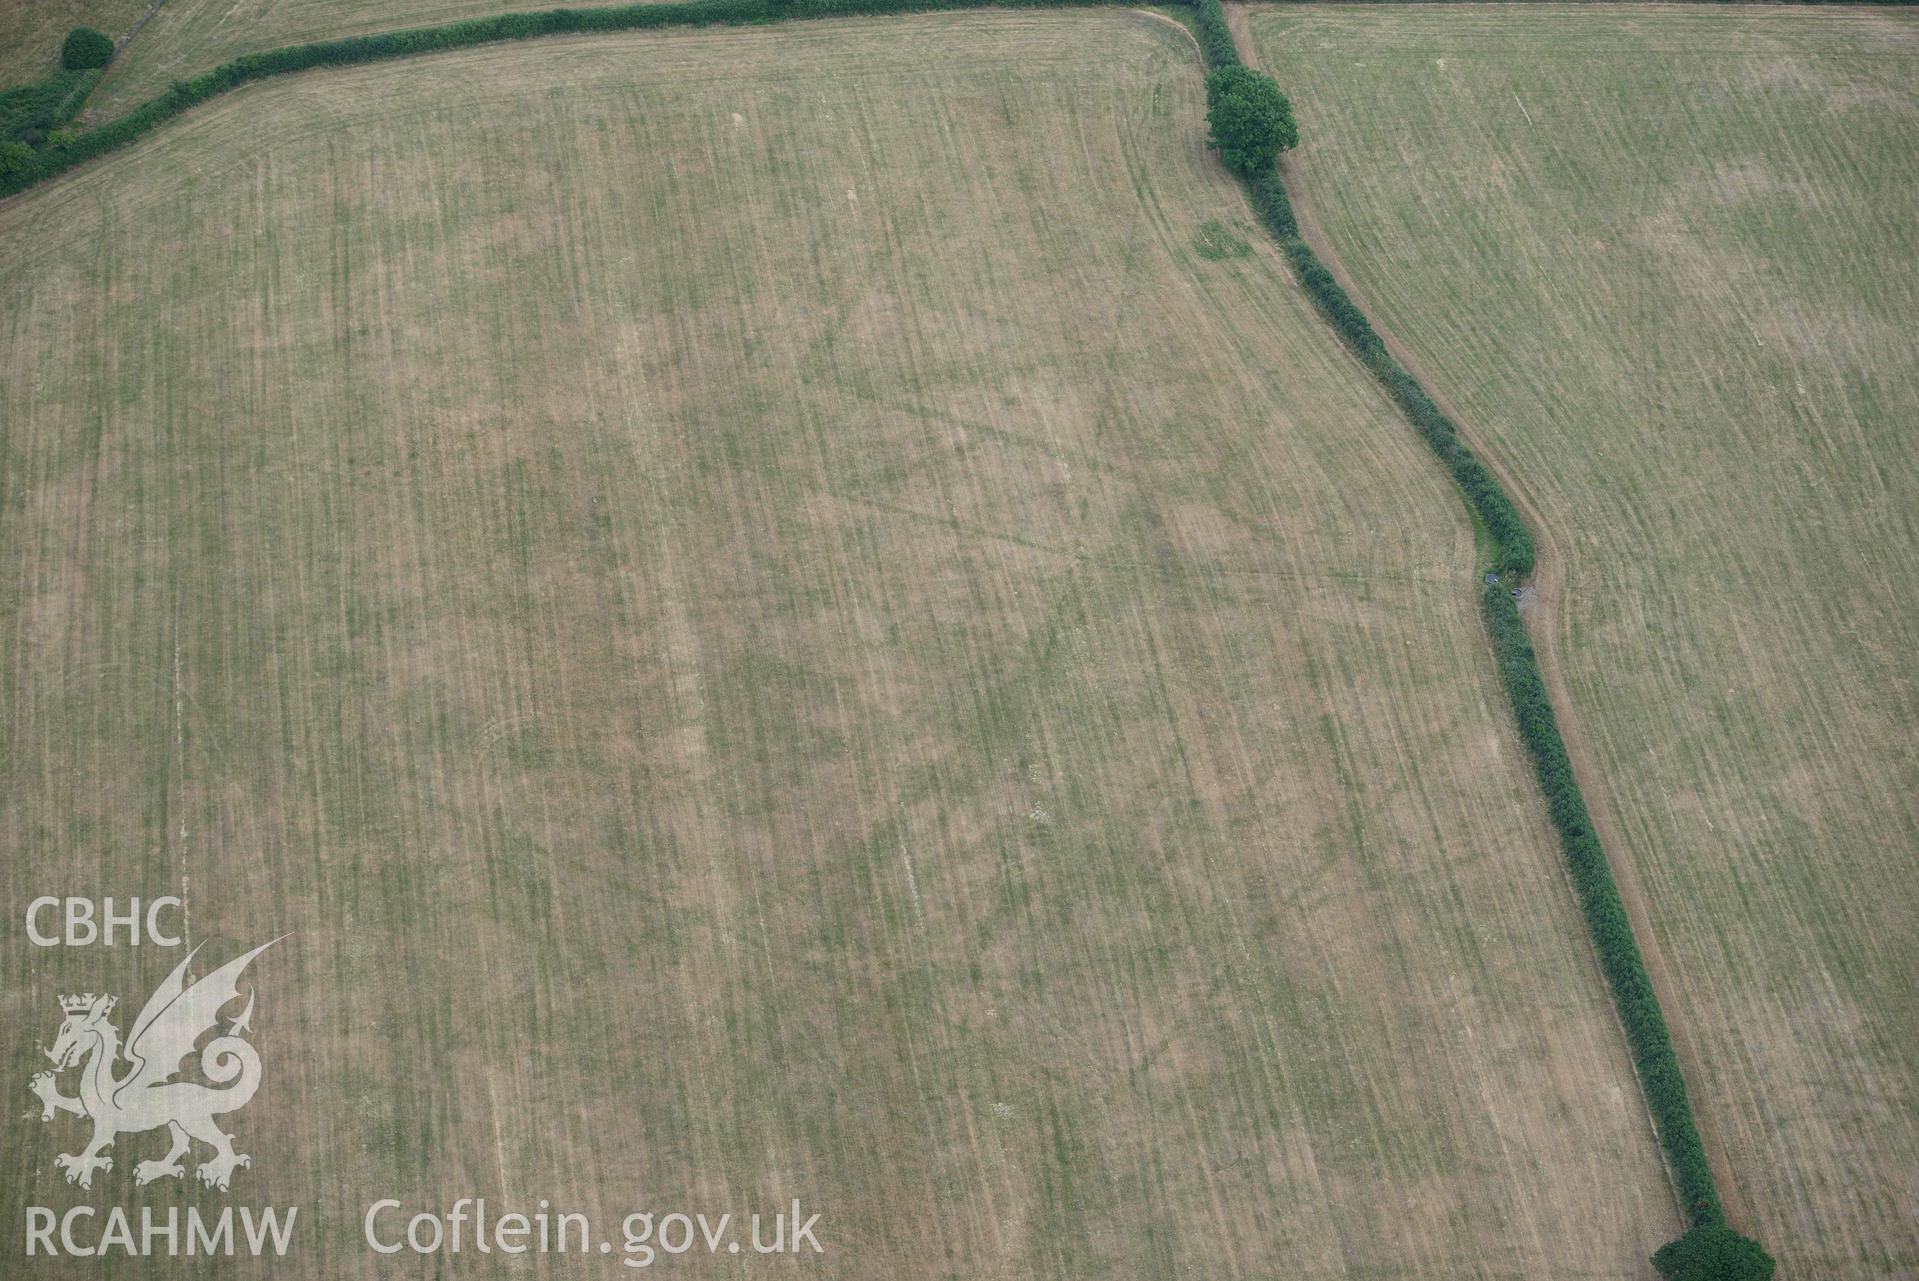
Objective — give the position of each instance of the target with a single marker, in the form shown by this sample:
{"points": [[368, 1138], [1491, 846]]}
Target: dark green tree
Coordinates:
{"points": [[1251, 120], [1713, 1252], [86, 48]]}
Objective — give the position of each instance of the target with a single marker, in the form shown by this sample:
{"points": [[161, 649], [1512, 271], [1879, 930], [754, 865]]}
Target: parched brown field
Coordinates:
{"points": [[1665, 263], [31, 32], [775, 629], [187, 37]]}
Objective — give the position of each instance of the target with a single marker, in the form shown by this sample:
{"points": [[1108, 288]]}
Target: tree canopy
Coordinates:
{"points": [[86, 48], [1252, 122], [1713, 1252]]}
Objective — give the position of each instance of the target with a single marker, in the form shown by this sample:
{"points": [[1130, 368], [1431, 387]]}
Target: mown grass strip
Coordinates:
{"points": [[1648, 1037]]}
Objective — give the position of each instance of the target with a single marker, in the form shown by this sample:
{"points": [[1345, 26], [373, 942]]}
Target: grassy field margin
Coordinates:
{"points": [[1660, 1076]]}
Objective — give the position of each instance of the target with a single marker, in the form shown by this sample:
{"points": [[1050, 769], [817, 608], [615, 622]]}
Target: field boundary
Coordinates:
{"points": [[17, 174], [1548, 581], [1655, 1063]]}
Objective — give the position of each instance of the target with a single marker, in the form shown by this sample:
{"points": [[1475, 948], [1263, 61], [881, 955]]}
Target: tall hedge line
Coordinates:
{"points": [[459, 35], [1625, 970], [1646, 1033], [1514, 545], [1215, 38]]}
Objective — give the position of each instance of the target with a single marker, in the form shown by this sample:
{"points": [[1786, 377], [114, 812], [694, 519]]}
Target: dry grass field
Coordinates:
{"points": [[796, 612], [31, 32], [190, 36], [1665, 263]]}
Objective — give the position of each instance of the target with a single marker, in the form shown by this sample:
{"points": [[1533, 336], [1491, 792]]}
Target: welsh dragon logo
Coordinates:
{"points": [[145, 1096]]}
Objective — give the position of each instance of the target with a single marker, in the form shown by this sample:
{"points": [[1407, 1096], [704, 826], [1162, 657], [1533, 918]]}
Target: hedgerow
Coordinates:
{"points": [[1648, 1037], [1513, 544], [1215, 38], [1660, 1078]]}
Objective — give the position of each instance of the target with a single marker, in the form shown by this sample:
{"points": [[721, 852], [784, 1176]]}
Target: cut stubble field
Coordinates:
{"points": [[186, 37], [1664, 262], [785, 613]]}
